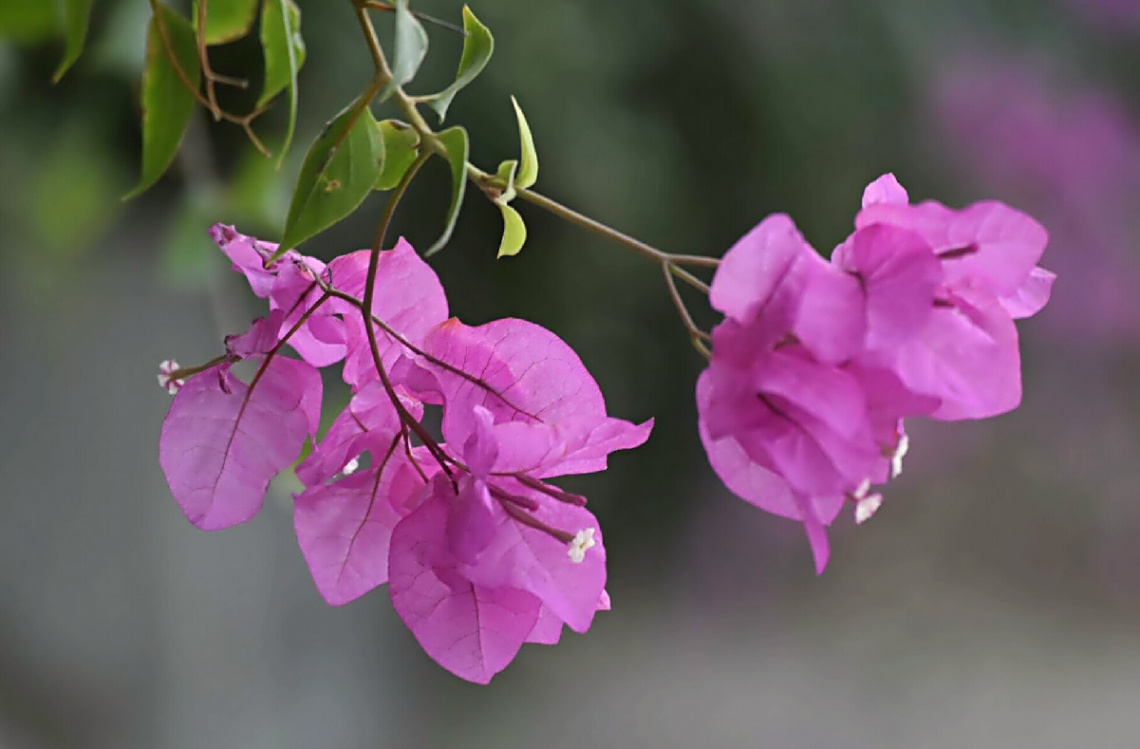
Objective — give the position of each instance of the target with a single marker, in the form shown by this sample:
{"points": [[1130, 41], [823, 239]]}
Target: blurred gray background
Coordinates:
{"points": [[993, 602]]}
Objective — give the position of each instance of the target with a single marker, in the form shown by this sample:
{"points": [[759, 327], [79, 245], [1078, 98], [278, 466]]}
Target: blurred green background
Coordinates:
{"points": [[993, 602]]}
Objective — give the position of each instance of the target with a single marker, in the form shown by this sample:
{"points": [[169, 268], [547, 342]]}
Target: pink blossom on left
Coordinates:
{"points": [[481, 553]]}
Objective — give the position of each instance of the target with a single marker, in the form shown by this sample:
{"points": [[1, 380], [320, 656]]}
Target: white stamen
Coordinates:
{"points": [[867, 506], [581, 543], [351, 466], [900, 452], [165, 381]]}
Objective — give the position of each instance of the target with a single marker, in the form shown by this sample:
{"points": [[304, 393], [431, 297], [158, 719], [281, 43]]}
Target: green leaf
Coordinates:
{"points": [[411, 45], [455, 142], [75, 16], [226, 20], [477, 49], [401, 146], [514, 232], [506, 174], [284, 51], [167, 101], [27, 20], [528, 164], [338, 173]]}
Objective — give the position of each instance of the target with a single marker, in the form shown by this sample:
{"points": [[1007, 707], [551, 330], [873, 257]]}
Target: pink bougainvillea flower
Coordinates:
{"points": [[290, 285], [408, 299], [774, 274], [474, 565], [250, 257], [223, 440], [785, 425], [480, 553], [533, 384], [344, 525], [966, 354], [987, 244], [760, 486], [817, 364], [509, 557], [898, 276]]}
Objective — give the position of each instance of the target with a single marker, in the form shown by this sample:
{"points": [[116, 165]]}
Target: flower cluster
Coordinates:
{"points": [[480, 553], [817, 363]]}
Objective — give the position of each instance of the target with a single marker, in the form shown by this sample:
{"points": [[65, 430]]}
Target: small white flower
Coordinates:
{"points": [[866, 507], [900, 452], [866, 504], [351, 466], [582, 542], [165, 381]]}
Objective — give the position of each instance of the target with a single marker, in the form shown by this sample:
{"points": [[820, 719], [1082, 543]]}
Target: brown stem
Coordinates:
{"points": [[377, 5], [245, 121], [702, 261], [283, 340], [366, 312], [698, 337], [408, 449], [183, 373], [435, 361], [204, 61]]}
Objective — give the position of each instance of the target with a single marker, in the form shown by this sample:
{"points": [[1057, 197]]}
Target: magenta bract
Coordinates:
{"points": [[481, 554], [817, 364]]}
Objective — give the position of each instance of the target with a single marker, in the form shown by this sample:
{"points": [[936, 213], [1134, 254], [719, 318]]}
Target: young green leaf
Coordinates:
{"points": [[76, 14], [284, 52], [226, 20], [411, 45], [514, 232], [528, 165], [401, 146], [455, 142], [168, 91], [339, 170], [477, 49], [506, 175]]}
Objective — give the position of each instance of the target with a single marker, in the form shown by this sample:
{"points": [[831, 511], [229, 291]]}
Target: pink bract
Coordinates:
{"points": [[222, 442], [817, 364]]}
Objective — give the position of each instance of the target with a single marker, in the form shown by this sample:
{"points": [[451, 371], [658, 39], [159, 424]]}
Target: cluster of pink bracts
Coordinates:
{"points": [[817, 364], [801, 409], [480, 554]]}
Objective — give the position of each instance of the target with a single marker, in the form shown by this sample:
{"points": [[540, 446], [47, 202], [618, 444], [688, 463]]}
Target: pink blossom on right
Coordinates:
{"points": [[817, 364]]}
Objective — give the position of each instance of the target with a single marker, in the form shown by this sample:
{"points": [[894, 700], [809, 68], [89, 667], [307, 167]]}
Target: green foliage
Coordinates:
{"points": [[477, 49], [514, 228], [339, 171], [411, 45], [514, 231], [27, 20], [168, 92], [284, 51], [506, 175], [76, 14], [226, 20], [528, 163], [455, 142], [401, 147]]}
